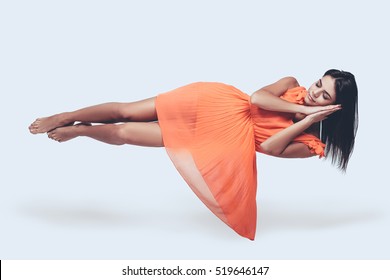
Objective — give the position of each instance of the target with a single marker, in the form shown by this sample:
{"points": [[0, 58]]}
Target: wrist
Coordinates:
{"points": [[309, 120], [302, 109]]}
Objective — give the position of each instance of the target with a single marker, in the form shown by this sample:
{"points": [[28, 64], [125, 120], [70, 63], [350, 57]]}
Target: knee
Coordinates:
{"points": [[124, 111], [123, 135]]}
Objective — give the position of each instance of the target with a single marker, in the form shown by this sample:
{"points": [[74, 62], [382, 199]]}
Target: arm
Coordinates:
{"points": [[268, 97], [281, 145]]}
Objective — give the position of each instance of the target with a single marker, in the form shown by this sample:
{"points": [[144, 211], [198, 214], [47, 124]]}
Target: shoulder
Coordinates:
{"points": [[289, 82], [278, 88]]}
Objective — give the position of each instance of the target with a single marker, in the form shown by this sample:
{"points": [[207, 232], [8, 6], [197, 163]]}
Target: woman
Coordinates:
{"points": [[211, 132]]}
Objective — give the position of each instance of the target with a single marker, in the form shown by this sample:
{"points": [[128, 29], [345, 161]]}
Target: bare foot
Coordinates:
{"points": [[42, 125], [65, 133]]}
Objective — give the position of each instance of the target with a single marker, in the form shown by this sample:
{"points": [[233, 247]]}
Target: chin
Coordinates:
{"points": [[307, 102]]}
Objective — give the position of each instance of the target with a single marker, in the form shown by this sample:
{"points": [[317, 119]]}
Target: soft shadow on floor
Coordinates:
{"points": [[270, 218], [68, 215], [87, 216], [273, 217]]}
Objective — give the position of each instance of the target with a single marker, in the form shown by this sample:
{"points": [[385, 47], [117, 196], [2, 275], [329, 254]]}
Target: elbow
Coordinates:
{"points": [[266, 149], [262, 99], [254, 98], [259, 99]]}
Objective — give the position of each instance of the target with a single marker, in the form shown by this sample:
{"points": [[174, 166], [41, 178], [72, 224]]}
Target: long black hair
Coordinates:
{"points": [[339, 129]]}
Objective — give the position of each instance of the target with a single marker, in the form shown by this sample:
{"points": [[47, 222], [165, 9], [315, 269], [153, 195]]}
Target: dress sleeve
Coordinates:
{"points": [[295, 95], [313, 143]]}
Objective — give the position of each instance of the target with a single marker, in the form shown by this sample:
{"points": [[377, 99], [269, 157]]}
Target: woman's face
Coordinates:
{"points": [[321, 93]]}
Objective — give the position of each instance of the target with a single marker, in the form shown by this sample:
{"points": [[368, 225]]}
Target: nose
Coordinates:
{"points": [[315, 93]]}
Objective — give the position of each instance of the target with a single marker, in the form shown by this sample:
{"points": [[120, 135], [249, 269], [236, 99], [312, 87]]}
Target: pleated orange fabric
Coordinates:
{"points": [[211, 132]]}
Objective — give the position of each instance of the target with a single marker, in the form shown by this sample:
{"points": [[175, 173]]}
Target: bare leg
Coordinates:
{"points": [[140, 111], [135, 133]]}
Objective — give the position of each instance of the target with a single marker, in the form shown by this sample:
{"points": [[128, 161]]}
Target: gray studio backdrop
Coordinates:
{"points": [[87, 200]]}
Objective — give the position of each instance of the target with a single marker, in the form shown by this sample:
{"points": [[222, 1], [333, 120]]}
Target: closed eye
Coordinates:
{"points": [[325, 93]]}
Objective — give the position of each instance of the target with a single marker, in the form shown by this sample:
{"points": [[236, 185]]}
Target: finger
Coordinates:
{"points": [[333, 107], [326, 113], [331, 112], [337, 109]]}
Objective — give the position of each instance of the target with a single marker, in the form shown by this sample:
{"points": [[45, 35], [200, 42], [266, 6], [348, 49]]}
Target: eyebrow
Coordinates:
{"points": [[325, 90]]}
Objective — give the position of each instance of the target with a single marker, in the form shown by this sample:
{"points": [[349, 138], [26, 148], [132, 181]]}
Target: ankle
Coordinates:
{"points": [[65, 118], [81, 130]]}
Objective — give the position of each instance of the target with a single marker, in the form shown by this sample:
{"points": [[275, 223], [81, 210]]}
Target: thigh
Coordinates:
{"points": [[139, 111], [142, 134]]}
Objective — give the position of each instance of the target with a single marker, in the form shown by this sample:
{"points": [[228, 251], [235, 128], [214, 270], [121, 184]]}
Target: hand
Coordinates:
{"points": [[308, 110], [323, 114]]}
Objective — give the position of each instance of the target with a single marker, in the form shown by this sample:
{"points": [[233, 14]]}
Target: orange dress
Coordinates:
{"points": [[211, 132]]}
